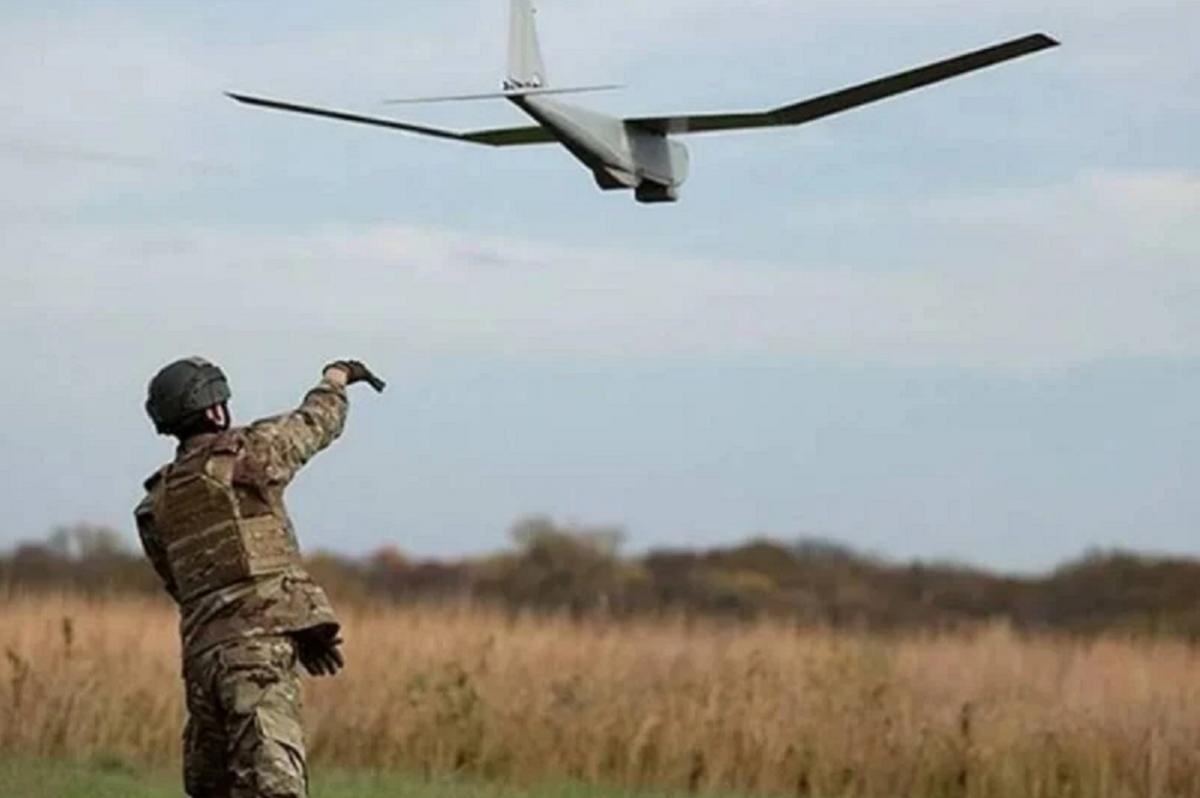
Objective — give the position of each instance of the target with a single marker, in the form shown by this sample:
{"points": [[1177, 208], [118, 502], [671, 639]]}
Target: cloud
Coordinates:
{"points": [[101, 106], [1098, 267]]}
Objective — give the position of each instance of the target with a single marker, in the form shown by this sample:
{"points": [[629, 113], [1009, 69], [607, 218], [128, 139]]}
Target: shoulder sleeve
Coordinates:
{"points": [[283, 444], [152, 543]]}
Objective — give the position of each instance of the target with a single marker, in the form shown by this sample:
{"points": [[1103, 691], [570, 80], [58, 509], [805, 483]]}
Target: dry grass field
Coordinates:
{"points": [[665, 705]]}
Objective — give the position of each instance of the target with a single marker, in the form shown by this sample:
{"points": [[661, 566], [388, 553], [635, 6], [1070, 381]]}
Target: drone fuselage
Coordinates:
{"points": [[619, 154]]}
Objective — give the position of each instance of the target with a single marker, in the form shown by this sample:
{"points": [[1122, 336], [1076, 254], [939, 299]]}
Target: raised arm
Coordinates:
{"points": [[283, 444]]}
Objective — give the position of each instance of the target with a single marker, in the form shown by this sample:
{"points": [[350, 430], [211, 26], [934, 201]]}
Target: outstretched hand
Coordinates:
{"points": [[357, 371]]}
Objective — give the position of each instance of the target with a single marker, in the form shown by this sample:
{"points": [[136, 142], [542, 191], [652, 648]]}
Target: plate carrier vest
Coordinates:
{"points": [[210, 542]]}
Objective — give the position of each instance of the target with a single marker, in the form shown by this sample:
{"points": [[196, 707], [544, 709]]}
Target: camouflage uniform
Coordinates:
{"points": [[214, 525]]}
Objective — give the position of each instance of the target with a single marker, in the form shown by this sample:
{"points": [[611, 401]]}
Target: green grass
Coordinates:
{"points": [[110, 779]]}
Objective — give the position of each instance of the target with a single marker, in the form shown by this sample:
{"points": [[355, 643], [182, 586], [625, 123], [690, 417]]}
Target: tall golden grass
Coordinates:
{"points": [[668, 704]]}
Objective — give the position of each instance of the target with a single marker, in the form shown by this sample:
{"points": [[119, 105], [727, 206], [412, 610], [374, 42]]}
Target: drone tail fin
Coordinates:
{"points": [[525, 67]]}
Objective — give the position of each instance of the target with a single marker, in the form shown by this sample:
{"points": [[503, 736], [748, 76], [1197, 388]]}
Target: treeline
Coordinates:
{"points": [[580, 570]]}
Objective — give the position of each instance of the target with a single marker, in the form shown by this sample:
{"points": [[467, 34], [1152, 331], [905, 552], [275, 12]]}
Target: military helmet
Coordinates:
{"points": [[182, 390]]}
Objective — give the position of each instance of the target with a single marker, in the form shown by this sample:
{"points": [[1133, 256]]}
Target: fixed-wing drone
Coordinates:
{"points": [[641, 153]]}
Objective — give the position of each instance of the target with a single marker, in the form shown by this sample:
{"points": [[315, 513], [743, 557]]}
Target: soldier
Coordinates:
{"points": [[214, 525]]}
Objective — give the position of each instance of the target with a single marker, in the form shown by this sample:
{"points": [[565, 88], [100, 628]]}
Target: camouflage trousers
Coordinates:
{"points": [[243, 737]]}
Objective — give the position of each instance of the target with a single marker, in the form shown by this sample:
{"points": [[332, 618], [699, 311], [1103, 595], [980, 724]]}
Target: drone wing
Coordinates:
{"points": [[504, 137], [844, 100]]}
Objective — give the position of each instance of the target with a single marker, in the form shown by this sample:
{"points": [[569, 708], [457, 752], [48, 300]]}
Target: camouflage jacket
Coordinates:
{"points": [[252, 467]]}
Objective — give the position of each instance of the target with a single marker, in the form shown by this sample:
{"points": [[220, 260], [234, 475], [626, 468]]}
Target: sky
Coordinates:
{"points": [[959, 325]]}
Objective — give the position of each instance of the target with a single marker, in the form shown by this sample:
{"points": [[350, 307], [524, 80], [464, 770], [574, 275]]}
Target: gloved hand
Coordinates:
{"points": [[357, 371], [317, 650]]}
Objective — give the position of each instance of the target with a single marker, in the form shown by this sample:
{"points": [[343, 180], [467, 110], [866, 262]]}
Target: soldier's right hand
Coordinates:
{"points": [[357, 371], [319, 652]]}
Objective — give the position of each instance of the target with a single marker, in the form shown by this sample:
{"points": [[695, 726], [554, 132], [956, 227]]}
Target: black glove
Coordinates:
{"points": [[317, 650], [357, 371]]}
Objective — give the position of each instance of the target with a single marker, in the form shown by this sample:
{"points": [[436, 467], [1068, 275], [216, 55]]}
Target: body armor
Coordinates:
{"points": [[217, 525]]}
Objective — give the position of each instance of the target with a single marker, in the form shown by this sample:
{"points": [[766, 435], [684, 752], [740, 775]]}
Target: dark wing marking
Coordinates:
{"points": [[511, 136], [844, 100]]}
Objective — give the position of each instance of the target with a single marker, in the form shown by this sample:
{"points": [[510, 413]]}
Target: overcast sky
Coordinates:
{"points": [[964, 323]]}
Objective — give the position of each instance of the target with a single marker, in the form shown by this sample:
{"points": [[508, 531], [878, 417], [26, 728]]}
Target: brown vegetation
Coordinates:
{"points": [[759, 707]]}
